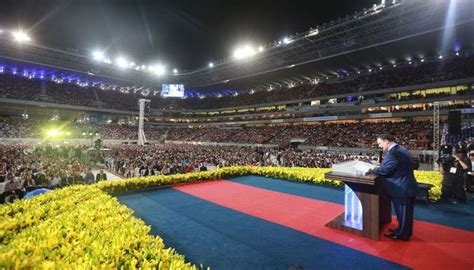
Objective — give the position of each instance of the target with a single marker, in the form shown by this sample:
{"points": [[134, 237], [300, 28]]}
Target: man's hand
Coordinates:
{"points": [[370, 171]]}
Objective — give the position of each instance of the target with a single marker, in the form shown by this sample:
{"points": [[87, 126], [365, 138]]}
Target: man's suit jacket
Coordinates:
{"points": [[100, 177], [397, 169], [468, 163]]}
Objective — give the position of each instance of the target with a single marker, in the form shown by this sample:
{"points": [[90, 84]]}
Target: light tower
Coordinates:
{"points": [[141, 134], [436, 143]]}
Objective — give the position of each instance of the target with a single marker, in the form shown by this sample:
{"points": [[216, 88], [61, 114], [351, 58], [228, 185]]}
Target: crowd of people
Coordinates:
{"points": [[24, 167], [410, 74], [352, 134], [136, 161], [35, 128], [19, 86]]}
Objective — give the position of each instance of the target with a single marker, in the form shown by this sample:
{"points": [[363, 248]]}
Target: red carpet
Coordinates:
{"points": [[431, 247]]}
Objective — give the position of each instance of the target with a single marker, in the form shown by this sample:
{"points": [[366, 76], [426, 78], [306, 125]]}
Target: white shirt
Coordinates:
{"points": [[391, 146]]}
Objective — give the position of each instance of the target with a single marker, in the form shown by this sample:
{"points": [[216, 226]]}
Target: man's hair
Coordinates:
{"points": [[387, 137]]}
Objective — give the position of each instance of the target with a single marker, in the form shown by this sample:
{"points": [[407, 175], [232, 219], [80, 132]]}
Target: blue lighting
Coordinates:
{"points": [[212, 93], [353, 209], [56, 75], [448, 33]]}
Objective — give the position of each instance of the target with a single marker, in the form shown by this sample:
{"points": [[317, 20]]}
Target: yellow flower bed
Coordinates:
{"points": [[79, 227], [83, 227], [431, 177], [313, 175]]}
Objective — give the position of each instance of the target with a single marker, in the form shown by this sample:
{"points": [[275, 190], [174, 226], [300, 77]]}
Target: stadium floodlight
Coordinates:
{"points": [[244, 52], [313, 32], [175, 71], [159, 70], [98, 55], [440, 57], [261, 48], [20, 36], [287, 40], [121, 62], [211, 65], [457, 53], [53, 133], [422, 60]]}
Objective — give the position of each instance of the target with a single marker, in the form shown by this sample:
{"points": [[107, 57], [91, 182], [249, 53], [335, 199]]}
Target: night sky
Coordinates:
{"points": [[182, 34]]}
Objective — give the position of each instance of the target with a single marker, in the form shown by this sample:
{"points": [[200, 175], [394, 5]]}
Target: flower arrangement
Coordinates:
{"points": [[83, 227], [79, 227], [312, 175]]}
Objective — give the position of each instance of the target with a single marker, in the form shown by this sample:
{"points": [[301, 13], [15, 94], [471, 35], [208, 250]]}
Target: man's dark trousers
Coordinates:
{"points": [[404, 209]]}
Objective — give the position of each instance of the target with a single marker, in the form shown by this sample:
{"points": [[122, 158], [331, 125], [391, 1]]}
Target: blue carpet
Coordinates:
{"points": [[222, 238], [459, 216]]}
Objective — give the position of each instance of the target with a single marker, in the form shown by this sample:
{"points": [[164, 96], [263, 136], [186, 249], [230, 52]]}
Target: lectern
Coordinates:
{"points": [[366, 208]]}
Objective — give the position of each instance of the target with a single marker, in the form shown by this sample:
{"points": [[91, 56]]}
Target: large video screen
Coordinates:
{"points": [[172, 90]]}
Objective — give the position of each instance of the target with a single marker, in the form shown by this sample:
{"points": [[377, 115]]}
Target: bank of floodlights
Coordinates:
{"points": [[20, 36], [245, 51]]}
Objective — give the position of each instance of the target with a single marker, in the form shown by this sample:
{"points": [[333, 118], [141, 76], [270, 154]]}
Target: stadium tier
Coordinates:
{"points": [[130, 138], [22, 86]]}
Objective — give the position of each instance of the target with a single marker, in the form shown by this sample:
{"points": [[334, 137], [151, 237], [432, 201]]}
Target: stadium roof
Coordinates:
{"points": [[387, 33], [182, 34]]}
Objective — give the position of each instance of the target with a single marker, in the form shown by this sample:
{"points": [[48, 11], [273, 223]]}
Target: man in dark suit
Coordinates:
{"points": [[101, 176], [469, 174], [399, 183]]}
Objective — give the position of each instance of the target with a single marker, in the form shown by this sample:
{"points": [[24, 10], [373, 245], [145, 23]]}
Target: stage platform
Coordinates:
{"points": [[254, 222]]}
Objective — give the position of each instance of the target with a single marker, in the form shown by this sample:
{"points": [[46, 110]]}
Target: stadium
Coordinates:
{"points": [[236, 135]]}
